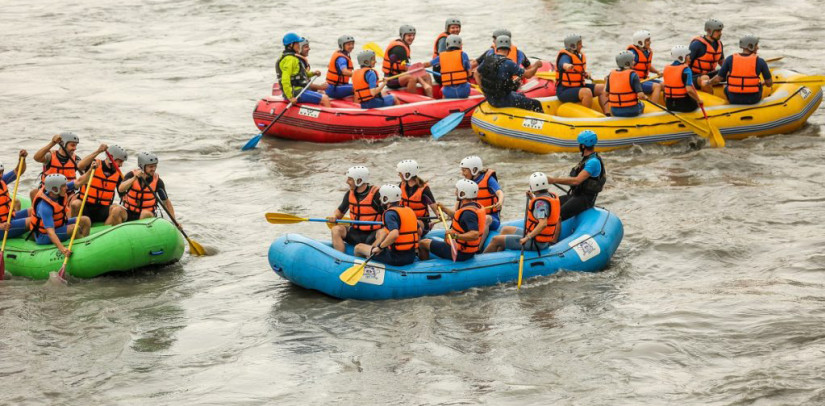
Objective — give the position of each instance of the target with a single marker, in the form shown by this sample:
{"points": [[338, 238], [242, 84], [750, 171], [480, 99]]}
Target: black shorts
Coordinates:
{"points": [[696, 76], [355, 237], [442, 249], [572, 205], [394, 84], [682, 104], [396, 258], [97, 213], [132, 216]]}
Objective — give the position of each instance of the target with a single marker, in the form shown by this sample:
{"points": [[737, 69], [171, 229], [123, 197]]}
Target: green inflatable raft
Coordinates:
{"points": [[125, 247]]}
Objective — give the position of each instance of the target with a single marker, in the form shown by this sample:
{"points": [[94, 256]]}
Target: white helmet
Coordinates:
{"points": [[538, 181], [680, 52], [54, 182], [473, 163], [389, 194], [408, 168], [467, 189], [640, 36], [359, 174]]}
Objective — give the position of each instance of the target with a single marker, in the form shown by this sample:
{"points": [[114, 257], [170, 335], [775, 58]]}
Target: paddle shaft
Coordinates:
{"points": [[287, 107], [11, 207], [76, 224], [403, 73], [523, 234], [682, 119]]}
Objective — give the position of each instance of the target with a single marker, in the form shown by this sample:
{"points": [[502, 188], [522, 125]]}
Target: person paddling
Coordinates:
{"points": [[680, 94], [49, 220], [139, 188], [624, 88], [643, 64], [61, 160], [452, 26], [19, 217], [706, 53], [514, 54], [465, 230], [397, 57], [490, 196], [500, 79], [586, 179], [572, 72], [416, 193], [742, 72], [396, 243], [362, 203], [293, 74], [340, 69], [542, 223], [366, 88], [100, 206], [454, 66]]}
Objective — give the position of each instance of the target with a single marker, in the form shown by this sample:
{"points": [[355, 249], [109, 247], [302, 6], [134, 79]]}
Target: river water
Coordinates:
{"points": [[714, 297]]}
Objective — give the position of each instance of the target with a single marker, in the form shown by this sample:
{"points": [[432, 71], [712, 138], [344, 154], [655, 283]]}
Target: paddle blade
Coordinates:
{"points": [[2, 266], [417, 70], [252, 143], [195, 248], [446, 124], [546, 75], [62, 272], [371, 46], [520, 270], [353, 274], [283, 218], [716, 139]]}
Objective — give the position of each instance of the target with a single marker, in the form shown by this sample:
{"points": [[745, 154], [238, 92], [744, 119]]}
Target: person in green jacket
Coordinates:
{"points": [[293, 75]]}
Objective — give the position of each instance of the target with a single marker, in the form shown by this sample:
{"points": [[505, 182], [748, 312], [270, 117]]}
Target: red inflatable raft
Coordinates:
{"points": [[347, 121]]}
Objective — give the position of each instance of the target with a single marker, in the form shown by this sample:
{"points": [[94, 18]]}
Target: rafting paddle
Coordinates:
{"points": [[283, 218], [524, 234], [354, 273], [194, 247], [253, 142], [372, 46], [447, 124], [62, 272], [711, 133], [8, 221], [715, 133], [450, 238]]}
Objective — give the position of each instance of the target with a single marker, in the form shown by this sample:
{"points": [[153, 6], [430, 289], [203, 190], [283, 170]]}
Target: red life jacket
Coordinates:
{"points": [[407, 230], [364, 211], [621, 92], [5, 202], [360, 88], [707, 62], [675, 86], [390, 68], [486, 196], [415, 201], [60, 215], [452, 68], [471, 246], [575, 76], [548, 233], [102, 189], [140, 196], [743, 77], [333, 78], [642, 67]]}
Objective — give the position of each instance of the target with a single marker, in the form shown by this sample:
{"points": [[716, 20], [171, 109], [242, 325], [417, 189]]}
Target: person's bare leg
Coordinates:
{"points": [[362, 250], [424, 249], [339, 232]]}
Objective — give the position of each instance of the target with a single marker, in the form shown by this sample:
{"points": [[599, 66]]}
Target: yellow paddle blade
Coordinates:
{"points": [[371, 46], [283, 218], [546, 75], [520, 270], [716, 139], [353, 274], [195, 248], [778, 58]]}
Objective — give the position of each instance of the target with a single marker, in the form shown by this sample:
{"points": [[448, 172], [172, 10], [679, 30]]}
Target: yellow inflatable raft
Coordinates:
{"points": [[784, 109]]}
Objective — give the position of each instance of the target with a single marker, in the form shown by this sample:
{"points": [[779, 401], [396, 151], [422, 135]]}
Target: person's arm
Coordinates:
{"points": [[393, 224], [653, 68], [525, 62], [43, 154], [340, 210], [372, 81], [592, 166], [429, 199], [723, 71], [540, 212], [435, 62], [85, 162], [493, 184], [636, 84], [23, 154], [85, 177], [164, 197], [289, 68], [468, 221], [442, 45], [566, 63], [765, 71], [341, 64], [697, 49], [687, 76], [127, 182], [532, 69], [448, 211]]}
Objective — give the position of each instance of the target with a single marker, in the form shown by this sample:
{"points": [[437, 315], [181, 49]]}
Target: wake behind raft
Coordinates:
{"points": [[587, 243]]}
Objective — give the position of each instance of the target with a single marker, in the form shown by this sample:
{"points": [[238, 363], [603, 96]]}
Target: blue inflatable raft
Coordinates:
{"points": [[587, 243]]}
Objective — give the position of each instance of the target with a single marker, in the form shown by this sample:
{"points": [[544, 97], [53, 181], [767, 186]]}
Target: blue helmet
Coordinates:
{"points": [[587, 138], [291, 38]]}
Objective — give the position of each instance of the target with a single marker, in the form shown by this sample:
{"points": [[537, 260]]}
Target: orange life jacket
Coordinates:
{"points": [[435, 45], [575, 76], [415, 201], [364, 211], [452, 68], [512, 55], [471, 246], [60, 216], [548, 234], [407, 230], [707, 62], [486, 196], [675, 86], [621, 92], [333, 78], [390, 68], [5, 201], [743, 77], [361, 90], [69, 169], [140, 196], [102, 190], [642, 67]]}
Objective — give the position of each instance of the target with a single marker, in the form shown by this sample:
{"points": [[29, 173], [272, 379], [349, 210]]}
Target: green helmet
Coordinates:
{"points": [[365, 57], [749, 42]]}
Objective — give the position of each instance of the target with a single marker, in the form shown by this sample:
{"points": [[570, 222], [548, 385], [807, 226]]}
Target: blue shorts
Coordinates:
{"points": [[628, 111], [18, 223], [310, 97], [339, 92], [743, 98], [571, 94], [62, 233], [379, 101], [461, 91], [647, 87], [442, 249], [495, 222], [511, 242]]}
